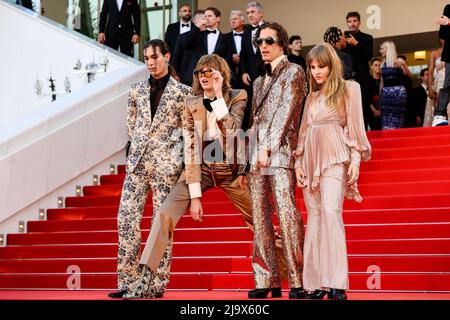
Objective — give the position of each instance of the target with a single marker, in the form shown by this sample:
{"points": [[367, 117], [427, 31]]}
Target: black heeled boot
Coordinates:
{"points": [[263, 293], [337, 294], [117, 294], [297, 293], [316, 295]]}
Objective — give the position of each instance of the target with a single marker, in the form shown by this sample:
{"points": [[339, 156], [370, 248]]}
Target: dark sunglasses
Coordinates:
{"points": [[269, 41], [206, 73]]}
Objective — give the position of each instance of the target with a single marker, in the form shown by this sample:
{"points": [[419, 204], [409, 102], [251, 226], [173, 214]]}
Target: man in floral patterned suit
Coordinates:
{"points": [[155, 162]]}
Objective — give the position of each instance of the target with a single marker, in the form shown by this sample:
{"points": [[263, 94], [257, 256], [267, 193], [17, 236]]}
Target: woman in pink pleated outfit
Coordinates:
{"points": [[332, 143]]}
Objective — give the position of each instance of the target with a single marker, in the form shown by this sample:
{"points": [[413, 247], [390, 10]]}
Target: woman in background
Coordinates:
{"points": [[393, 98]]}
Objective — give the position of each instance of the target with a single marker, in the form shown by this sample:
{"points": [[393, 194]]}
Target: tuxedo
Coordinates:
{"points": [[236, 75], [198, 42], [183, 60], [173, 32], [251, 61], [120, 24]]}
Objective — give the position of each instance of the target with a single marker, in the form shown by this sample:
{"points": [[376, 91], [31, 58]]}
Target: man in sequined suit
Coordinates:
{"points": [[276, 108]]}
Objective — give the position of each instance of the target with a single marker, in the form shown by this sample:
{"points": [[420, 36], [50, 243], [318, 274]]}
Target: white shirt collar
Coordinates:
{"points": [[277, 61]]}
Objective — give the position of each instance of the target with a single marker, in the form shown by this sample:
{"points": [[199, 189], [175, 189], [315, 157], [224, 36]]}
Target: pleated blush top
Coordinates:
{"points": [[330, 135]]}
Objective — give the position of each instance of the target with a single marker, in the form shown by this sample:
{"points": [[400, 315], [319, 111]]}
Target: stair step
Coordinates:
{"points": [[428, 174], [400, 263], [230, 248], [368, 189], [234, 281], [236, 220], [370, 202], [353, 232]]}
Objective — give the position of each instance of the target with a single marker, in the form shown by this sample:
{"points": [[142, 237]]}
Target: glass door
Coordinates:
{"points": [[156, 16]]}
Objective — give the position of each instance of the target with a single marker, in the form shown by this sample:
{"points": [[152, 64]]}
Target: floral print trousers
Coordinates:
{"points": [[137, 279]]}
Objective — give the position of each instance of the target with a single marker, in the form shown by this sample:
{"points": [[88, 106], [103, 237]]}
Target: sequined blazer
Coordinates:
{"points": [[276, 111]]}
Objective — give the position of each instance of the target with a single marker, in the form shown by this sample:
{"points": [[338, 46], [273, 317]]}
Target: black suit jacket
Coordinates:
{"points": [[172, 34], [197, 41], [361, 55], [120, 23], [444, 34], [250, 61], [236, 75], [183, 60], [420, 101], [347, 64]]}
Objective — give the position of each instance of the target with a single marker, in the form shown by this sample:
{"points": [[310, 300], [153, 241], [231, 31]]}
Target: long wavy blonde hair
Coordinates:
{"points": [[334, 88]]}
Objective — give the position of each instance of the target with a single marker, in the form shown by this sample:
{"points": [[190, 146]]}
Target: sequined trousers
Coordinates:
{"points": [[275, 191]]}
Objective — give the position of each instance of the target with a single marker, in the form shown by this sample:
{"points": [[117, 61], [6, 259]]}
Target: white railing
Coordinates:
{"points": [[43, 145]]}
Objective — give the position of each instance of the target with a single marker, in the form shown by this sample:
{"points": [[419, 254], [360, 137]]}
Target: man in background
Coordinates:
{"points": [[120, 25], [175, 29]]}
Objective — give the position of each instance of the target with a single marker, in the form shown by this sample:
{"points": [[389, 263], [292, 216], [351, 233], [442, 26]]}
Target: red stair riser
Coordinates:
{"points": [[353, 232], [404, 188], [186, 221], [228, 264], [431, 174], [402, 246], [112, 237], [235, 220], [427, 282]]}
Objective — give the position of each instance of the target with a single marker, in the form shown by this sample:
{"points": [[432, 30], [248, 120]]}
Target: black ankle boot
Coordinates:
{"points": [[117, 294], [297, 293], [337, 294], [316, 295], [263, 293]]}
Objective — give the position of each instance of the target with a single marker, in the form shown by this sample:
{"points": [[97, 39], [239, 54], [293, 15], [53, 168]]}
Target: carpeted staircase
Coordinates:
{"points": [[398, 237]]}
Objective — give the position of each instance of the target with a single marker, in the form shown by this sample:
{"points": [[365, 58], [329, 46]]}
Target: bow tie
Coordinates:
{"points": [[185, 25], [254, 27], [207, 104], [237, 34], [211, 31]]}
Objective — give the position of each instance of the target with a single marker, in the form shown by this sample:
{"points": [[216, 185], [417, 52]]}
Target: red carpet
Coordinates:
{"points": [[402, 228]]}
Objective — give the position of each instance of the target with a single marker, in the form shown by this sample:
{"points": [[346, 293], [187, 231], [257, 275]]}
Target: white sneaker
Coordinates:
{"points": [[439, 121]]}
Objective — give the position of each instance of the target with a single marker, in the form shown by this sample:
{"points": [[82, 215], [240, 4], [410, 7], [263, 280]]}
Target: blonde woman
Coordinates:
{"points": [[332, 142], [393, 98]]}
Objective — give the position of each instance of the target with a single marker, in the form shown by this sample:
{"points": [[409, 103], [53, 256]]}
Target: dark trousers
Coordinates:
{"points": [[125, 46], [444, 94]]}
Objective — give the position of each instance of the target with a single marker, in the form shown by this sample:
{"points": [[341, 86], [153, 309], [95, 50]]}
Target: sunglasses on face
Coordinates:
{"points": [[206, 73], [269, 41]]}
